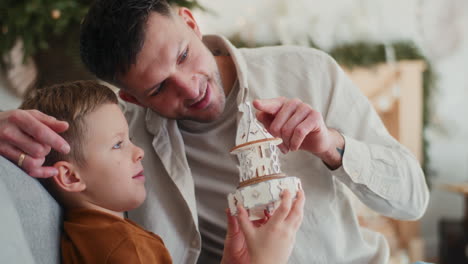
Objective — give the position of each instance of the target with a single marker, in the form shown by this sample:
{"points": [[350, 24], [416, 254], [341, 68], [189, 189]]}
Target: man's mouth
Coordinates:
{"points": [[203, 101]]}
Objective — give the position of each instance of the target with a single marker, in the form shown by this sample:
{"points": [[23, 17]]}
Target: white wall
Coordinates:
{"points": [[439, 28]]}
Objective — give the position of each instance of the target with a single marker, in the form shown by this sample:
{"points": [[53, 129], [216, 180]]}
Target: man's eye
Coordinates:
{"points": [[118, 145], [159, 89], [184, 56]]}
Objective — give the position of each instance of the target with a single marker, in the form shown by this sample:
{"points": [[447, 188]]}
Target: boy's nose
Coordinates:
{"points": [[139, 153]]}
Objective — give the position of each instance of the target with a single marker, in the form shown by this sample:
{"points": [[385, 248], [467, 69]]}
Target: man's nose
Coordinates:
{"points": [[186, 85]]}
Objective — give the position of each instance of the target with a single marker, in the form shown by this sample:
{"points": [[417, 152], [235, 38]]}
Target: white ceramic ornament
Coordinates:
{"points": [[261, 179]]}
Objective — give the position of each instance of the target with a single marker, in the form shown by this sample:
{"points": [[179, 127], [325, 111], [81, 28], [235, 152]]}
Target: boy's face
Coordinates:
{"points": [[113, 172]]}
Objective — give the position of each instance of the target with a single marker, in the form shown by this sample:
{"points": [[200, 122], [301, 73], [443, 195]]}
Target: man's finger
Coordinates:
{"points": [[265, 119], [43, 172], [16, 137], [270, 106], [50, 121], [289, 128], [30, 165], [310, 125], [40, 132], [282, 116]]}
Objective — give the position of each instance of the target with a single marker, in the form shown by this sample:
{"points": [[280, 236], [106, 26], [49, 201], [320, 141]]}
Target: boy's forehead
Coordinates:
{"points": [[106, 120]]}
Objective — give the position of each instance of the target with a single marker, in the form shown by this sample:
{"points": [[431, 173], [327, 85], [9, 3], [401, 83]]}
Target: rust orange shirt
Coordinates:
{"points": [[95, 237]]}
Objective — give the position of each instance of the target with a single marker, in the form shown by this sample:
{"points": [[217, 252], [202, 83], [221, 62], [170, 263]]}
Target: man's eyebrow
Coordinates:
{"points": [[179, 49]]}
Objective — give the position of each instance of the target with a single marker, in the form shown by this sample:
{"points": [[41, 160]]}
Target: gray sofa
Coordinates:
{"points": [[30, 219]]}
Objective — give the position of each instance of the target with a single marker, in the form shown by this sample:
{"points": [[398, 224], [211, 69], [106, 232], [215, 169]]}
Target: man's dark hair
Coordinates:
{"points": [[113, 33]]}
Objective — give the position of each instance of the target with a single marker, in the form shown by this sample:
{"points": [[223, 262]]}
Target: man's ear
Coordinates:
{"points": [[188, 18], [68, 178], [129, 98]]}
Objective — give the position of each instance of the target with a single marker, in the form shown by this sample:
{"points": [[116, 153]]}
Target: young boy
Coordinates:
{"points": [[102, 177]]}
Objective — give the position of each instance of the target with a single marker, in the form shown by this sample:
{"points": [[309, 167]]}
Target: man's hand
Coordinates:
{"points": [[34, 134], [300, 127]]}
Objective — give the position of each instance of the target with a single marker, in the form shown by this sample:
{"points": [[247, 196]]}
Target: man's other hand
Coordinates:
{"points": [[34, 134]]}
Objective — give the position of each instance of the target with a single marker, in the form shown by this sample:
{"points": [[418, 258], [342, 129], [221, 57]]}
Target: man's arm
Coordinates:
{"points": [[379, 170], [34, 134]]}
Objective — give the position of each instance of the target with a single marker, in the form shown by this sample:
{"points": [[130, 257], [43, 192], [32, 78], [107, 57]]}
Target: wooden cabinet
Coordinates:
{"points": [[396, 91], [397, 94]]}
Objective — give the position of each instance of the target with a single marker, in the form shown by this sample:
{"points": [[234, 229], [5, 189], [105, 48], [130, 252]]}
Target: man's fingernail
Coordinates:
{"points": [[53, 173], [65, 148]]}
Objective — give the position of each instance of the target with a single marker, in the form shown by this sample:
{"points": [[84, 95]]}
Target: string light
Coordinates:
{"points": [[55, 14]]}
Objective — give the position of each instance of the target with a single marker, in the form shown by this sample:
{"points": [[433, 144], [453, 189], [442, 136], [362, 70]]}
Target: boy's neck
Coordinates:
{"points": [[91, 206]]}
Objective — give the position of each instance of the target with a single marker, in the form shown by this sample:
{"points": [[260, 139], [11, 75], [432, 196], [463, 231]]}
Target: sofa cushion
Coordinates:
{"points": [[31, 219]]}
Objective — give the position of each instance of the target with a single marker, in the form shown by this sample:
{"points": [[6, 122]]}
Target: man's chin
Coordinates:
{"points": [[202, 119], [206, 117]]}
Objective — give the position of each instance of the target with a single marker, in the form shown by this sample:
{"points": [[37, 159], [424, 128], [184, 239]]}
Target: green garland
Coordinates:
{"points": [[35, 22], [365, 54]]}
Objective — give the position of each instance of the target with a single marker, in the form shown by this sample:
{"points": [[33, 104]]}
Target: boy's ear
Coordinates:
{"points": [[188, 18], [129, 98], [68, 178]]}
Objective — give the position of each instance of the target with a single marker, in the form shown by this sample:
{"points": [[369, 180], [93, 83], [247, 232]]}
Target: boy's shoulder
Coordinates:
{"points": [[99, 238], [140, 246]]}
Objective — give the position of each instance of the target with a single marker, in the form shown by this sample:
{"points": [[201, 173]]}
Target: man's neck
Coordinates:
{"points": [[228, 72]]}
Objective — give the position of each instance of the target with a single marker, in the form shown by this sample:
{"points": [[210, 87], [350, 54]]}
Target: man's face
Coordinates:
{"points": [[175, 74], [113, 172]]}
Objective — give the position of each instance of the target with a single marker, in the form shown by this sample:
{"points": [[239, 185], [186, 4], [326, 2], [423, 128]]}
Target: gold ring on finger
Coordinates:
{"points": [[21, 159]]}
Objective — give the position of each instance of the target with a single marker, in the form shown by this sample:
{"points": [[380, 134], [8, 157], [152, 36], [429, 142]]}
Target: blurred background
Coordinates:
{"points": [[410, 57]]}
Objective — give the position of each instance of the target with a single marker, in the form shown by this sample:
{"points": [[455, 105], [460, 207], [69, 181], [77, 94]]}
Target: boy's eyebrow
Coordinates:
{"points": [[119, 134]]}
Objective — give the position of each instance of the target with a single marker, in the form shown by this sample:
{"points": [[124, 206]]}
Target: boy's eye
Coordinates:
{"points": [[118, 145]]}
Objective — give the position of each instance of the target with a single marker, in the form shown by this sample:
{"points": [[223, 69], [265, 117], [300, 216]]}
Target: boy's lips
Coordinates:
{"points": [[204, 100], [139, 175]]}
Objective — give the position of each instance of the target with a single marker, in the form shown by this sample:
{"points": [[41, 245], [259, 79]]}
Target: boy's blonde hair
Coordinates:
{"points": [[70, 102]]}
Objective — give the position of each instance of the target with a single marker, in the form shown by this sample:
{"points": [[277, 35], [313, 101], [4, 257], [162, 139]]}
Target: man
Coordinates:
{"points": [[189, 87]]}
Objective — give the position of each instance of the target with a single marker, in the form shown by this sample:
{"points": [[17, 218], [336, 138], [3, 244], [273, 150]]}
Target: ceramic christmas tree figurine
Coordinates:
{"points": [[261, 179]]}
